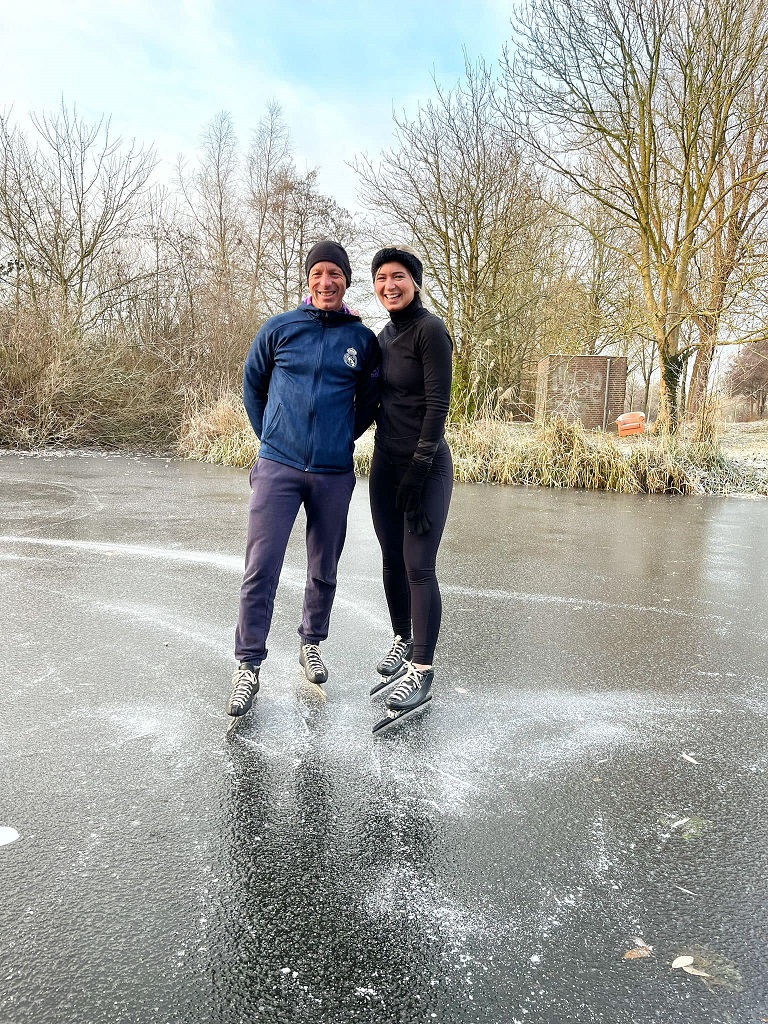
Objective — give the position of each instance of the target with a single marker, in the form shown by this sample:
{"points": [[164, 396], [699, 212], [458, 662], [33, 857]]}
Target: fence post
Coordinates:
{"points": [[607, 385]]}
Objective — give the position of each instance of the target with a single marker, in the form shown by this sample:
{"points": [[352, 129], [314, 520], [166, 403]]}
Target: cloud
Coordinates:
{"points": [[163, 70]]}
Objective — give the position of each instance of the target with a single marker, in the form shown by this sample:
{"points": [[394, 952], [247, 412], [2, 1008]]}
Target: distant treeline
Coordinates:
{"points": [[603, 190]]}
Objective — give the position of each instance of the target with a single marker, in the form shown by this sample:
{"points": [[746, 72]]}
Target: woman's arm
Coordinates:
{"points": [[434, 345]]}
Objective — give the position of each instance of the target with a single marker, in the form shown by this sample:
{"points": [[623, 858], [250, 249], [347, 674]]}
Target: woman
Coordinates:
{"points": [[411, 476]]}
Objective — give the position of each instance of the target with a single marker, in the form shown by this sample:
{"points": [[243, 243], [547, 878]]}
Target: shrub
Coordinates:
{"points": [[59, 390], [217, 430]]}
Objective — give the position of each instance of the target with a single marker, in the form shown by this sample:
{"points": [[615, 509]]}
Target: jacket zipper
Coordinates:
{"points": [[312, 414]]}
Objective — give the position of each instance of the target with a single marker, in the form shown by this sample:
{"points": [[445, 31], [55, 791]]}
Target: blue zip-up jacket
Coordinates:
{"points": [[311, 387]]}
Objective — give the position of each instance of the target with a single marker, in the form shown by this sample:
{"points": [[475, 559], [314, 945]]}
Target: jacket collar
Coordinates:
{"points": [[345, 315]]}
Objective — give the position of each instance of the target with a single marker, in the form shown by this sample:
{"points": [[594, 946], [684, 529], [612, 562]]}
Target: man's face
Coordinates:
{"points": [[327, 286]]}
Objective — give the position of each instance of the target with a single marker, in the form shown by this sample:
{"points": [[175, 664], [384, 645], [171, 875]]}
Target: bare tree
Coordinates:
{"points": [[69, 200], [237, 237], [458, 187], [269, 161], [212, 196], [632, 104], [748, 376], [287, 215], [731, 267]]}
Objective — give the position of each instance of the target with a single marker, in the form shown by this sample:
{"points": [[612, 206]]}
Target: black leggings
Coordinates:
{"points": [[410, 583]]}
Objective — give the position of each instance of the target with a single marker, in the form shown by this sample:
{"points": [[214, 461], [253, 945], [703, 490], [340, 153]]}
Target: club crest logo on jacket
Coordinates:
{"points": [[350, 357]]}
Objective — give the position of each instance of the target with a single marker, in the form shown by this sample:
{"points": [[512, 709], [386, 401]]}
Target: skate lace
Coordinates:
{"points": [[396, 653], [409, 684], [312, 658], [244, 680]]}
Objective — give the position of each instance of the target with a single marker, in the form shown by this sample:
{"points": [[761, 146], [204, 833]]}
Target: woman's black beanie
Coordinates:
{"points": [[329, 252], [394, 254]]}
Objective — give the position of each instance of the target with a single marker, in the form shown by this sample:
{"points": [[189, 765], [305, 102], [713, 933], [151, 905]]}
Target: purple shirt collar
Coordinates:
{"points": [[344, 307]]}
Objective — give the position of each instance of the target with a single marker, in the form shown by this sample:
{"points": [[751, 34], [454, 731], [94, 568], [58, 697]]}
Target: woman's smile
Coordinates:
{"points": [[394, 286]]}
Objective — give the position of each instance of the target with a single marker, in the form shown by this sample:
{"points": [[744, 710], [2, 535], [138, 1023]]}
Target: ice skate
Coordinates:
{"points": [[413, 694], [393, 665], [312, 663], [245, 686]]}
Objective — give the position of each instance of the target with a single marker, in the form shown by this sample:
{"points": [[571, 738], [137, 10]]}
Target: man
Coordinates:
{"points": [[310, 389]]}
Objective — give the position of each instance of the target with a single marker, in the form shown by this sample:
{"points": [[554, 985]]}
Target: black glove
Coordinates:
{"points": [[418, 521], [408, 497]]}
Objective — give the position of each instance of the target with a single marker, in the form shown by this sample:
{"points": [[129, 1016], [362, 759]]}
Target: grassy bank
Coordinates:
{"points": [[558, 454], [55, 391]]}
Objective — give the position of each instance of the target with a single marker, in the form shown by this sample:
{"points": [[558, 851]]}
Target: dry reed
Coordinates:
{"points": [[555, 454], [217, 430], [56, 392]]}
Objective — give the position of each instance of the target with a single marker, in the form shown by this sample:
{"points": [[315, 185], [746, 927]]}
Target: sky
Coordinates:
{"points": [[163, 68]]}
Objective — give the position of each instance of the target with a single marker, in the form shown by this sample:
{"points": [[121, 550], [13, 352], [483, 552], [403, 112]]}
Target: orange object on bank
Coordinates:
{"points": [[631, 423]]}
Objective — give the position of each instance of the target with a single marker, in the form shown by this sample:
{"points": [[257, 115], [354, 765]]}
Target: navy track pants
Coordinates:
{"points": [[277, 493]]}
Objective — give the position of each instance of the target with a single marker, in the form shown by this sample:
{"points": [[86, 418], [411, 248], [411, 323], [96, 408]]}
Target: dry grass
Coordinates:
{"points": [[112, 398], [59, 387], [558, 454], [364, 453], [53, 391], [217, 430], [664, 466]]}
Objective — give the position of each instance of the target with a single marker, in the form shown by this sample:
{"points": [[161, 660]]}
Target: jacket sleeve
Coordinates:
{"points": [[256, 378], [436, 350], [368, 389]]}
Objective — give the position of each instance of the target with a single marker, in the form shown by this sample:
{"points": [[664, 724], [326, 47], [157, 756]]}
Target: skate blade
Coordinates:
{"points": [[385, 681], [234, 723], [316, 689], [397, 717]]}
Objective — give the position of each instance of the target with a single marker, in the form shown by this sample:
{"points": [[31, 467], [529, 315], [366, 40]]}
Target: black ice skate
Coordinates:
{"points": [[312, 663], [245, 686], [393, 665], [413, 693]]}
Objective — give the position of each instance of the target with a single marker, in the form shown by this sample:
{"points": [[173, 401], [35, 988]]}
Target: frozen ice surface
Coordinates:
{"points": [[492, 861]]}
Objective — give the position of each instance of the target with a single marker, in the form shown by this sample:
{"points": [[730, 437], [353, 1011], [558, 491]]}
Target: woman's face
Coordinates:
{"points": [[394, 286]]}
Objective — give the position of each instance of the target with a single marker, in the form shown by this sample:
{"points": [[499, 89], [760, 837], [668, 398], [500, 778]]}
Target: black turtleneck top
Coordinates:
{"points": [[415, 376]]}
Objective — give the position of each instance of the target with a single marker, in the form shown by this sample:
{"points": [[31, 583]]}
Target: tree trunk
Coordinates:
{"points": [[462, 386], [671, 366], [683, 382], [702, 367]]}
